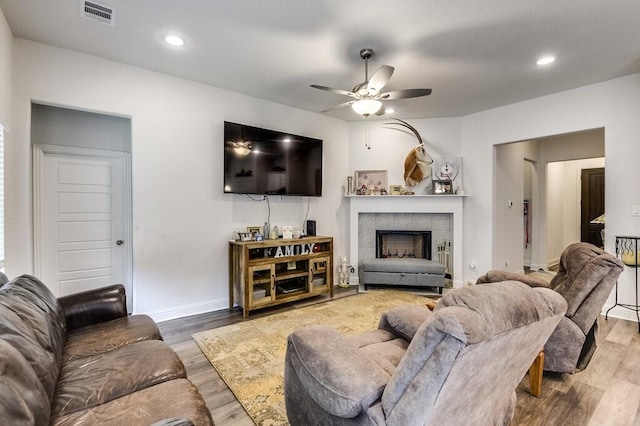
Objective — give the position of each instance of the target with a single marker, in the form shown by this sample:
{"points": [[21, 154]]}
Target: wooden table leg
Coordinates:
{"points": [[431, 304], [535, 375]]}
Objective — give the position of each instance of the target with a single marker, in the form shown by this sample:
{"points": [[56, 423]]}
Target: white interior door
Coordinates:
{"points": [[83, 220]]}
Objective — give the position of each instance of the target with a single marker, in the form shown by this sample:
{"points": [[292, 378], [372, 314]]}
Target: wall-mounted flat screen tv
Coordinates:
{"points": [[268, 162]]}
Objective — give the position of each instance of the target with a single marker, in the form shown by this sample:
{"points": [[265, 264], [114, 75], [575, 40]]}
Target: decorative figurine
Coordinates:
{"points": [[343, 272]]}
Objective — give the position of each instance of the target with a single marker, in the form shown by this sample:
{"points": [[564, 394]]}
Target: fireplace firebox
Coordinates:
{"points": [[401, 244]]}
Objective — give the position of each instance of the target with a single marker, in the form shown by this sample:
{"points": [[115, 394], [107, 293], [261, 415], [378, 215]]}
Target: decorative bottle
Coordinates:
{"points": [[265, 230], [274, 233]]}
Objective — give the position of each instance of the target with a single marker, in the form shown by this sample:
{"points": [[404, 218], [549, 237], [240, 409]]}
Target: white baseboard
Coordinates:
{"points": [[620, 313], [552, 262], [188, 310]]}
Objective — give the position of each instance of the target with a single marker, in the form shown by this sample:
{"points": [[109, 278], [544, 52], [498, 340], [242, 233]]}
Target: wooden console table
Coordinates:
{"points": [[271, 272]]}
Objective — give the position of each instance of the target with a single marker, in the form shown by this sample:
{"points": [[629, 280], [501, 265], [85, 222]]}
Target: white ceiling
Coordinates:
{"points": [[475, 55]]}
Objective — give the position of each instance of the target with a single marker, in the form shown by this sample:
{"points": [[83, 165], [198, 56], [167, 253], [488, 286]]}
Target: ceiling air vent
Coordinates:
{"points": [[98, 12]]}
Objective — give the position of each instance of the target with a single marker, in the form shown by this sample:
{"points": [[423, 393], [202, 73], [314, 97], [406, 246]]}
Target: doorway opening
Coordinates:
{"points": [[534, 234], [82, 205]]}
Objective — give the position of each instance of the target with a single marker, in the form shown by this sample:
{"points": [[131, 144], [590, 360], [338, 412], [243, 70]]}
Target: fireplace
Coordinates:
{"points": [[401, 244], [441, 214]]}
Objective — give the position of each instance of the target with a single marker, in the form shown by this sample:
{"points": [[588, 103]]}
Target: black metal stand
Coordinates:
{"points": [[627, 249]]}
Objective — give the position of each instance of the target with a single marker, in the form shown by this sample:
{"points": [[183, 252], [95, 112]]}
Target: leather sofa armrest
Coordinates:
{"points": [[94, 306], [333, 372]]}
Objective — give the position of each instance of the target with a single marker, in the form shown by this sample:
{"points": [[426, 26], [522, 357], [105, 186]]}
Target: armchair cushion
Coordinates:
{"points": [[404, 321], [483, 337], [511, 314], [583, 267], [495, 276], [335, 374]]}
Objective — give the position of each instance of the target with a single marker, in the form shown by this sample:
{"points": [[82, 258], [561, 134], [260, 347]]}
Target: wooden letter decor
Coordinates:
{"points": [[294, 250]]}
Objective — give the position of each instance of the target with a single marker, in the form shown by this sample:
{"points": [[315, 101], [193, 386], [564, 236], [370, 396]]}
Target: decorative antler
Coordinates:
{"points": [[408, 126], [417, 164]]}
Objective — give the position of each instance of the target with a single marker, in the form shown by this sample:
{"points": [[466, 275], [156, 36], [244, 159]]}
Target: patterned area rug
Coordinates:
{"points": [[249, 356]]}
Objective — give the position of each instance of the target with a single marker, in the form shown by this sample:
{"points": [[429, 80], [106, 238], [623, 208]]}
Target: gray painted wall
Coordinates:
{"points": [[61, 126]]}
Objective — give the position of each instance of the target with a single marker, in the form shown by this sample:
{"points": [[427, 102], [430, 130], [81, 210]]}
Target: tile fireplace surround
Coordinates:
{"points": [[442, 213]]}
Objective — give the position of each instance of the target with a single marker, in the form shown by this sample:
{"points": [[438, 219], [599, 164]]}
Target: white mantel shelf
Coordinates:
{"points": [[408, 196], [445, 203]]}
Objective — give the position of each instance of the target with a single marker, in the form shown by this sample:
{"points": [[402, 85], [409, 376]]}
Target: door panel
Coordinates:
{"points": [[592, 205], [82, 213]]}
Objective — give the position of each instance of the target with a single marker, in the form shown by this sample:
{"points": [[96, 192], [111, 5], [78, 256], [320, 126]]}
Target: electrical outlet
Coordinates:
{"points": [[635, 210]]}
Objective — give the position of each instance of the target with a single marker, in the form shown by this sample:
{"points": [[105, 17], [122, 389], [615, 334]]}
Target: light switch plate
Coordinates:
{"points": [[635, 210]]}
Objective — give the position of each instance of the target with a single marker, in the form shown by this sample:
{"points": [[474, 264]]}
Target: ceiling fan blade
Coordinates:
{"points": [[332, 90], [380, 78], [404, 94], [342, 105]]}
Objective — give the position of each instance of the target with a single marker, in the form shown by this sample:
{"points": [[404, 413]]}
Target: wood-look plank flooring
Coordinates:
{"points": [[607, 392]]}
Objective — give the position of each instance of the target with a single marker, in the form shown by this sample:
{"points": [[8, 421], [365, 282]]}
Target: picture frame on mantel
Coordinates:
{"points": [[370, 182], [448, 169], [441, 187], [395, 189]]}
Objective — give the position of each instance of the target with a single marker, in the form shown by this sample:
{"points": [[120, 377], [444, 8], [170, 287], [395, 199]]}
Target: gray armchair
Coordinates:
{"points": [[459, 364], [585, 278]]}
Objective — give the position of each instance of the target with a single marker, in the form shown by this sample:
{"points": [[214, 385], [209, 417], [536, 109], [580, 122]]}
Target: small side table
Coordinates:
{"points": [[627, 251]]}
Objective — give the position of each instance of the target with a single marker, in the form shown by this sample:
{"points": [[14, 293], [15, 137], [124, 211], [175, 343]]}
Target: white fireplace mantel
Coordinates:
{"points": [[407, 204]]}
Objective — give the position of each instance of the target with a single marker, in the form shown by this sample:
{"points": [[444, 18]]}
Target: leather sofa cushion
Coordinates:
{"points": [[175, 398], [17, 333], [44, 312], [107, 336], [87, 382], [23, 400]]}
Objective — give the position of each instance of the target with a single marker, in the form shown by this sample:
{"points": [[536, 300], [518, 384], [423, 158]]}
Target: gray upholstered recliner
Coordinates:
{"points": [[459, 364], [585, 278]]}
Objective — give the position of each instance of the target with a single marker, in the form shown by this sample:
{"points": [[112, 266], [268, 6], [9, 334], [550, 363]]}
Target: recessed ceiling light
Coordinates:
{"points": [[389, 110], [174, 40], [546, 60]]}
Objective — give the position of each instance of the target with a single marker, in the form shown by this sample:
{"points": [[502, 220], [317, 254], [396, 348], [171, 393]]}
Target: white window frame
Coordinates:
{"points": [[2, 253]]}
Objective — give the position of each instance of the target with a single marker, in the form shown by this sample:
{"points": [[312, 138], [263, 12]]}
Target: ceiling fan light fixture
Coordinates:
{"points": [[241, 149], [174, 40], [546, 60], [366, 107]]}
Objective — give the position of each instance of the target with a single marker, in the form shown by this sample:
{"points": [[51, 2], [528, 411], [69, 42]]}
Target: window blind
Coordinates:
{"points": [[1, 198]]}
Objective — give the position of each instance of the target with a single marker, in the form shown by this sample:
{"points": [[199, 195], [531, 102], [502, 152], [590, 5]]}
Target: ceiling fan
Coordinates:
{"points": [[368, 94]]}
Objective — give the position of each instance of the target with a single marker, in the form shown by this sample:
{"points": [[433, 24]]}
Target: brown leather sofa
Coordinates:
{"points": [[80, 359]]}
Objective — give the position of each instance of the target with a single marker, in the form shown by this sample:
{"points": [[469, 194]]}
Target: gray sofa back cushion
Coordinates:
{"points": [[456, 346], [585, 272]]}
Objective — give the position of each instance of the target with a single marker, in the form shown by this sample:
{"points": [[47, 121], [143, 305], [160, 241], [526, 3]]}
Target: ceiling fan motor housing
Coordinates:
{"points": [[366, 53]]}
